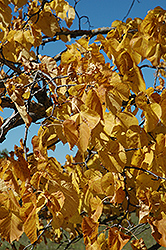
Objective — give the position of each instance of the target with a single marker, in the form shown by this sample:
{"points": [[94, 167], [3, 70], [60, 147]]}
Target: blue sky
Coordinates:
{"points": [[101, 14]]}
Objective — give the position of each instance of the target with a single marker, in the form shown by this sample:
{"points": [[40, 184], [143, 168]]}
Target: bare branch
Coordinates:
{"points": [[77, 33], [81, 17], [36, 111], [11, 65], [155, 79], [146, 171]]}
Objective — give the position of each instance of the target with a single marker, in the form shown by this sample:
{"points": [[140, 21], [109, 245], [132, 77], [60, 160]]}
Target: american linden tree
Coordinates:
{"points": [[92, 95]]}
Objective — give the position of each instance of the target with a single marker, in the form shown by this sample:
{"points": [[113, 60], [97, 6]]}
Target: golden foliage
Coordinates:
{"points": [[94, 106]]}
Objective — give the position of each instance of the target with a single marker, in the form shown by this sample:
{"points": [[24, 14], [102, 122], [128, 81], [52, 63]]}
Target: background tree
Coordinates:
{"points": [[3, 153], [103, 108]]}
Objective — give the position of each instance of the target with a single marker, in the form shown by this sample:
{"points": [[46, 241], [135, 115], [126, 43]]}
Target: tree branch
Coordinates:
{"points": [[11, 65], [36, 112], [154, 247], [77, 33]]}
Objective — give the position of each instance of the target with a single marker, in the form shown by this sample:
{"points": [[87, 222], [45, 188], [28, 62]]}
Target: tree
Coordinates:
{"points": [[3, 153], [102, 107]]}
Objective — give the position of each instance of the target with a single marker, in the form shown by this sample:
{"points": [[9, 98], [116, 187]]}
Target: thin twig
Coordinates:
{"points": [[24, 142], [155, 79], [128, 12], [80, 17], [146, 171], [77, 238], [43, 231]]}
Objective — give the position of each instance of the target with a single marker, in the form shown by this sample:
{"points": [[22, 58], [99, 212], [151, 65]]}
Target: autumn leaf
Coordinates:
{"points": [[70, 129], [90, 230], [138, 244], [30, 226], [98, 208], [117, 239], [84, 135], [90, 117], [48, 23], [158, 230], [5, 12], [19, 3], [93, 102], [11, 225], [15, 96]]}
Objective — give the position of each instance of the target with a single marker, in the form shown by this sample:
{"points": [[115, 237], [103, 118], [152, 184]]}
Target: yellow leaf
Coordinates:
{"points": [[49, 65], [48, 23], [39, 151], [26, 95], [71, 55], [159, 230], [93, 102], [19, 36], [145, 182], [57, 220], [113, 102], [41, 202], [111, 162], [16, 96], [30, 226], [152, 113], [20, 166], [84, 135], [137, 158], [83, 45], [71, 13], [134, 78], [127, 119], [117, 239], [163, 107], [36, 35], [70, 130], [144, 211], [53, 168], [97, 212], [94, 202], [94, 246], [9, 50], [90, 117], [5, 14], [11, 35], [90, 230], [107, 184], [119, 88], [77, 90], [11, 225], [70, 17], [138, 244], [61, 7], [19, 3]]}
